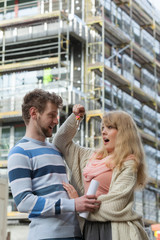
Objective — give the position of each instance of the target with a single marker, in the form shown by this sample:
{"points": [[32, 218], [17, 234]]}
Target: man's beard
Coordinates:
{"points": [[45, 132]]}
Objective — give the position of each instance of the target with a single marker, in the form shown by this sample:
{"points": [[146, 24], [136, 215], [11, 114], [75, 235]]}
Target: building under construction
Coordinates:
{"points": [[104, 54]]}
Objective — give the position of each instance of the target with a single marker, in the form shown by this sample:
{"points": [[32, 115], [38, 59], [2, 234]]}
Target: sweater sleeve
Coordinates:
{"points": [[37, 205], [75, 155], [117, 205], [63, 140]]}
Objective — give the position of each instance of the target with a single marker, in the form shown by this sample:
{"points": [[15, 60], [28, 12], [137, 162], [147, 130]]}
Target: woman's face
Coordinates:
{"points": [[109, 135]]}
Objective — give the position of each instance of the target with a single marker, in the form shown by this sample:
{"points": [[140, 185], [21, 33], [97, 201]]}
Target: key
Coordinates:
{"points": [[78, 118]]}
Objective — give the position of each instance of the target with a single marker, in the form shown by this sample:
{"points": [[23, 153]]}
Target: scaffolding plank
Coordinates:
{"points": [[140, 16], [116, 35], [19, 66], [94, 113], [15, 215], [28, 20], [125, 85], [3, 163], [11, 113], [94, 19], [152, 141]]}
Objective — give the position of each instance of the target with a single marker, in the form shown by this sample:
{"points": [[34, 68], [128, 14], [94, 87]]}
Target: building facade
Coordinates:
{"points": [[104, 54]]}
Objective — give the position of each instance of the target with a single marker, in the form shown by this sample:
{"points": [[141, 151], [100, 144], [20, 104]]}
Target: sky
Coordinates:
{"points": [[156, 3]]}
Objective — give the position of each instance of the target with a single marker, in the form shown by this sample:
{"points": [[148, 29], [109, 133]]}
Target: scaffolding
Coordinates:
{"points": [[35, 45], [32, 43], [127, 69], [104, 57]]}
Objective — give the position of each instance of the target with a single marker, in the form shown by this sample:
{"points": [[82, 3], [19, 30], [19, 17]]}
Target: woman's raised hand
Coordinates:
{"points": [[79, 110]]}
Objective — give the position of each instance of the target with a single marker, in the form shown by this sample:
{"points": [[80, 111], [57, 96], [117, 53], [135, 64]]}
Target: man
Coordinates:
{"points": [[37, 171]]}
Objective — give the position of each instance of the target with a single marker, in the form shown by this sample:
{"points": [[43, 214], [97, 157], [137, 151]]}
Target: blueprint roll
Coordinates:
{"points": [[91, 191]]}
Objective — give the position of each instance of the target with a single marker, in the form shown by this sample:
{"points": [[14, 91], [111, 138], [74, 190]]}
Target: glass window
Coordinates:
{"points": [[3, 173], [5, 143], [19, 132]]}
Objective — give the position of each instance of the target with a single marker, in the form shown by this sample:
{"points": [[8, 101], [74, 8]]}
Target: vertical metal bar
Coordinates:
{"points": [[3, 47], [131, 56], [50, 6], [86, 75], [3, 41], [156, 110], [68, 77], [103, 59]]}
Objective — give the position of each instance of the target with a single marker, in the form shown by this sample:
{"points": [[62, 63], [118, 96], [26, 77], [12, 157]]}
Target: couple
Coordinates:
{"points": [[39, 183]]}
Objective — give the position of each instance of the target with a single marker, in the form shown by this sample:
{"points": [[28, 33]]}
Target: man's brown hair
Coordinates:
{"points": [[38, 98]]}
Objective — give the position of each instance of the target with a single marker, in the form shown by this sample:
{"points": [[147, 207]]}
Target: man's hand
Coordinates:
{"points": [[87, 203], [79, 110]]}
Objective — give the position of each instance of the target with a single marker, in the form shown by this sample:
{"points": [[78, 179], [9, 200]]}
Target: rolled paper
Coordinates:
{"points": [[91, 191]]}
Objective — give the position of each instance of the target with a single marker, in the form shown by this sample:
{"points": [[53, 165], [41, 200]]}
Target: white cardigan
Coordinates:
{"points": [[117, 205]]}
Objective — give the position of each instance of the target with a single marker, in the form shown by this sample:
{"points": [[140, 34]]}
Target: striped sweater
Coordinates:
{"points": [[117, 205], [36, 172]]}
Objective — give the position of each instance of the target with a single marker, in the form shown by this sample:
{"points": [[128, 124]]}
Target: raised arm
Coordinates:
{"points": [[75, 155], [63, 140]]}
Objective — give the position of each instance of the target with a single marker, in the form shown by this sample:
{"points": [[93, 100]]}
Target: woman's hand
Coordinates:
{"points": [[79, 110], [72, 193]]}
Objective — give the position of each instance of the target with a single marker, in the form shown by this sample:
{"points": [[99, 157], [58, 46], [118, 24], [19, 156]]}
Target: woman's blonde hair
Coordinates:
{"points": [[128, 141]]}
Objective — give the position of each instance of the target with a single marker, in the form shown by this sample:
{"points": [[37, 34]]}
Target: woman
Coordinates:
{"points": [[120, 168]]}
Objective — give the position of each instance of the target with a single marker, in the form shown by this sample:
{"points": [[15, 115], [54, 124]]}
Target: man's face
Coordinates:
{"points": [[47, 120]]}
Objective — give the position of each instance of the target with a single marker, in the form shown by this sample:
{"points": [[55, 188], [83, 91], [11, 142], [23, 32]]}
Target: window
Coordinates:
{"points": [[19, 132]]}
